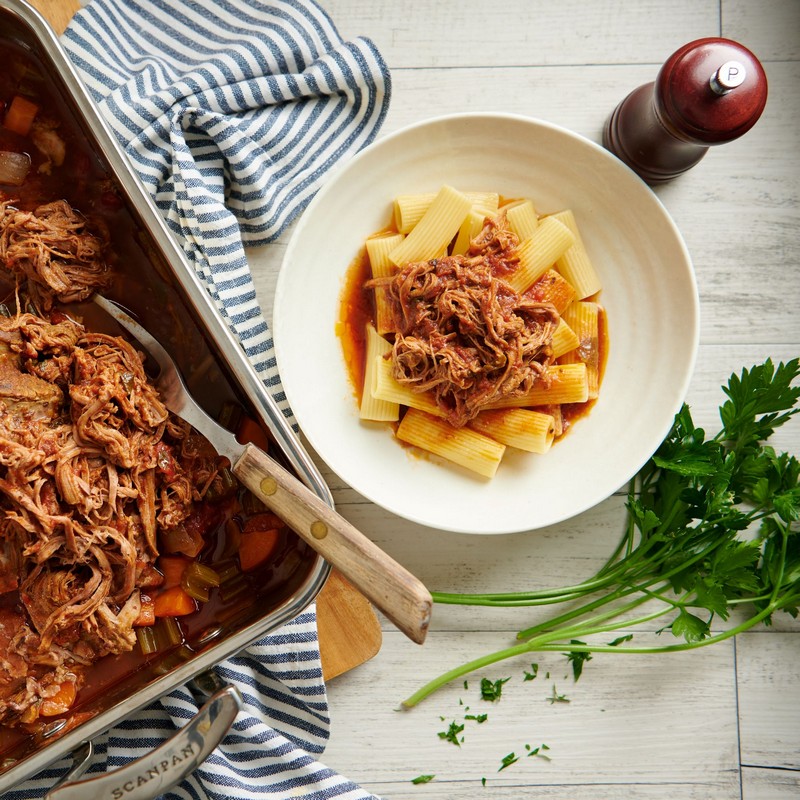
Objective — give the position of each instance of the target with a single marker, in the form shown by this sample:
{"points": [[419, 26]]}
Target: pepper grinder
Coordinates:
{"points": [[709, 92]]}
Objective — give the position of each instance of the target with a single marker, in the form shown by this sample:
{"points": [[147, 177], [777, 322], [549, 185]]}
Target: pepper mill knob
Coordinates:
{"points": [[708, 92]]}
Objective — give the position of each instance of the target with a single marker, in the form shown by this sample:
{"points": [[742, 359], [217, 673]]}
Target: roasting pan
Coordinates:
{"points": [[158, 284]]}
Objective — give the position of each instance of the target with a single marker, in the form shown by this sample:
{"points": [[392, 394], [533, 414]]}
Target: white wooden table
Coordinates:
{"points": [[718, 723]]}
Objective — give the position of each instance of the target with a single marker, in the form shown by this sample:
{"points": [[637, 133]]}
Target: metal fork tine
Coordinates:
{"points": [[170, 384]]}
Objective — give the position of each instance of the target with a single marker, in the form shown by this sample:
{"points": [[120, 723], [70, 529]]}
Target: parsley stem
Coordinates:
{"points": [[484, 661]]}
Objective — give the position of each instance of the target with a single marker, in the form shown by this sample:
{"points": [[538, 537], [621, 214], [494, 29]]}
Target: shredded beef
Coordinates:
{"points": [[462, 333], [53, 251], [82, 498]]}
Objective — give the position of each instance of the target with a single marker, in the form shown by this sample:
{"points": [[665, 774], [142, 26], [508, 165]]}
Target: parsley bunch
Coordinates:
{"points": [[712, 524]]}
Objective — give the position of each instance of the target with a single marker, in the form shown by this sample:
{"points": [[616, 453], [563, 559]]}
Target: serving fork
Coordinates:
{"points": [[401, 596]]}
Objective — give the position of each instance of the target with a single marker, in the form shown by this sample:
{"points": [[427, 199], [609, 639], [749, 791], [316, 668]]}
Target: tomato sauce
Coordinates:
{"points": [[356, 310]]}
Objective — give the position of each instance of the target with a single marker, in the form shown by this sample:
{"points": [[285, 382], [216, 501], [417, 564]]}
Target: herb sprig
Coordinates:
{"points": [[712, 524]]}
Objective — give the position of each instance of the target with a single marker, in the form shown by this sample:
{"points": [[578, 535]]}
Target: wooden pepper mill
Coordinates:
{"points": [[709, 92]]}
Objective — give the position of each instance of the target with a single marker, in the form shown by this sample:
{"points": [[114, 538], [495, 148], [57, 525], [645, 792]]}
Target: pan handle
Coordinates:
{"points": [[151, 775]]}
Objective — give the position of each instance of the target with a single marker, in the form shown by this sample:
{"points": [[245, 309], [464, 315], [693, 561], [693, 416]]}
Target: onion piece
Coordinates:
{"points": [[14, 167]]}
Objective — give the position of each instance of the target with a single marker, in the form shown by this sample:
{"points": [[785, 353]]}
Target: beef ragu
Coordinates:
{"points": [[472, 322], [125, 541], [462, 333]]}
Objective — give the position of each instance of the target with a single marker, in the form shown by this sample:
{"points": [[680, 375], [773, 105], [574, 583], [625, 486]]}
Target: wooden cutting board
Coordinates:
{"points": [[349, 632]]}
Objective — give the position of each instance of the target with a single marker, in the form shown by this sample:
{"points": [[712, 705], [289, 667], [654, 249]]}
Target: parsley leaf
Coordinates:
{"points": [[692, 628], [508, 760], [555, 697], [451, 734], [538, 751], [492, 690], [529, 676], [577, 659], [621, 640]]}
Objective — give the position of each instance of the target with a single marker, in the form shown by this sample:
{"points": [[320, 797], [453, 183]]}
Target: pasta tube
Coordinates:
{"points": [[470, 228], [565, 383], [385, 387], [378, 249], [522, 219], [539, 252], [517, 427], [552, 288], [575, 264], [557, 415], [462, 446], [431, 235], [410, 208], [564, 339], [584, 319], [372, 408]]}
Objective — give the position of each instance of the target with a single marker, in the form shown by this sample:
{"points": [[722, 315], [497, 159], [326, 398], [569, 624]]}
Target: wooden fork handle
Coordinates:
{"points": [[389, 586]]}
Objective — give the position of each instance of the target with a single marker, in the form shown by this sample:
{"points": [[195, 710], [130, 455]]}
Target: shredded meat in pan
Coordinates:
{"points": [[53, 250], [92, 466], [462, 333]]}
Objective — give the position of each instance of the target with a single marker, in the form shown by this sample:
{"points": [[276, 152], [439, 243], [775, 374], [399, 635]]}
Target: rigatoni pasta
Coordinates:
{"points": [[378, 249], [539, 252], [584, 320], [487, 332], [463, 446], [574, 264], [373, 407], [522, 428], [440, 222]]}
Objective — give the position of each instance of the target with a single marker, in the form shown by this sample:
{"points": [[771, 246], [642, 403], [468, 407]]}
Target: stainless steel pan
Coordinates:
{"points": [[216, 359]]}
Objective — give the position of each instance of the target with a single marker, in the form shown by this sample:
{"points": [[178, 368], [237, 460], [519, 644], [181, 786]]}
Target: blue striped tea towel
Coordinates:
{"points": [[233, 112]]}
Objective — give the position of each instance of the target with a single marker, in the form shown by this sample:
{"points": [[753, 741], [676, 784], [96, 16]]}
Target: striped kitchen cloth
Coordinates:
{"points": [[233, 112]]}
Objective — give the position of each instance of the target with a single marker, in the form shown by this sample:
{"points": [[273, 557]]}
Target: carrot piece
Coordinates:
{"points": [[251, 432], [20, 115], [60, 702], [256, 547], [173, 602], [264, 521], [172, 568], [147, 613]]}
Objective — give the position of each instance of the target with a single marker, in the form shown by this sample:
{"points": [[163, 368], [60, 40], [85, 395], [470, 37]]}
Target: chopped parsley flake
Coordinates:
{"points": [[492, 690], [529, 676], [508, 760], [556, 697], [451, 734]]}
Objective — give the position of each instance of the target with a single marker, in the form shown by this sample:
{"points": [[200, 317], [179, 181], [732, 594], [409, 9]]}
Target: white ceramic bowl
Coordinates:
{"points": [[649, 293]]}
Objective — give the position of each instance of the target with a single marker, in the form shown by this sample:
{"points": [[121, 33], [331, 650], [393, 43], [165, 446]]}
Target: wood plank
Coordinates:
{"points": [[769, 28], [768, 676], [449, 33], [632, 722], [770, 784]]}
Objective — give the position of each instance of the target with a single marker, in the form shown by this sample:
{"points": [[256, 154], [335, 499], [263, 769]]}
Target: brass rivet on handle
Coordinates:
{"points": [[319, 530], [268, 486]]}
